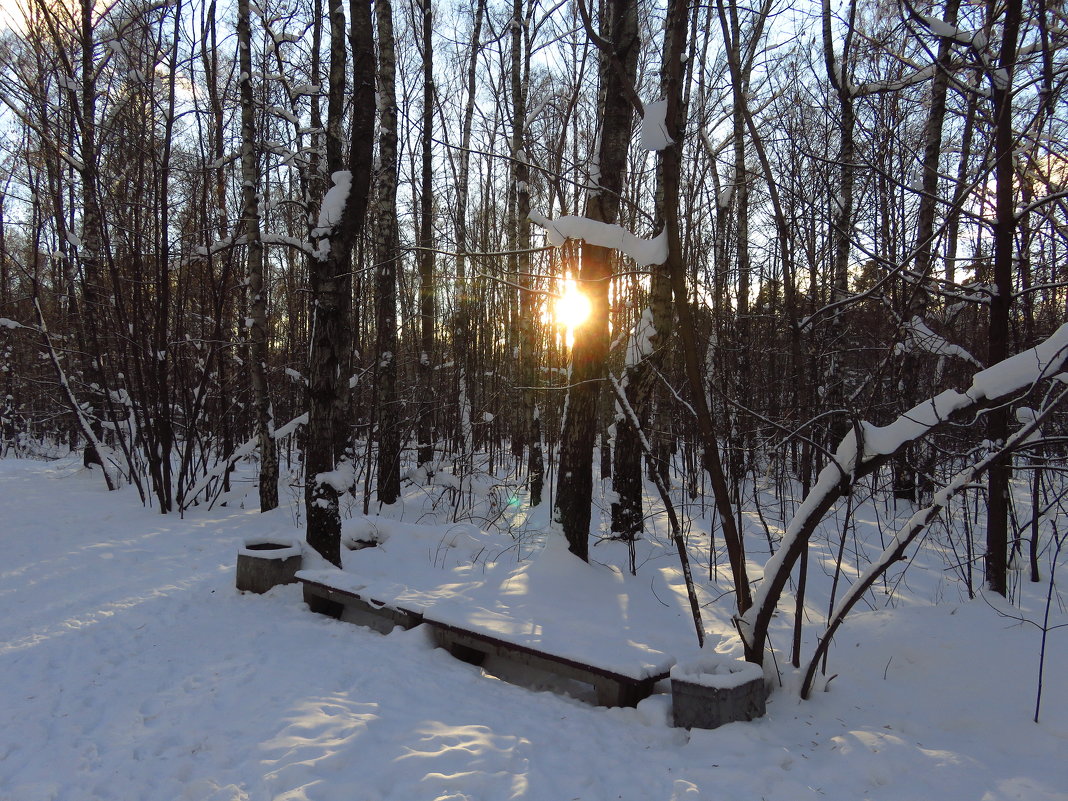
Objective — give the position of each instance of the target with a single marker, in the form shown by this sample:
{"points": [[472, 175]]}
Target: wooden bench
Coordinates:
{"points": [[350, 604], [353, 607], [613, 688]]}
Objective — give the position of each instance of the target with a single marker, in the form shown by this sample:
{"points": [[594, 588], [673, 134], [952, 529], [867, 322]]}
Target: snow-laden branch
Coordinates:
{"points": [[914, 527], [248, 447], [640, 344], [654, 133], [939, 27], [920, 337], [331, 212], [296, 243], [645, 252], [106, 455], [245, 449], [334, 202], [867, 447]]}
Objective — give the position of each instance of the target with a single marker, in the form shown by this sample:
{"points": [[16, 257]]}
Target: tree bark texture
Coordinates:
{"points": [[574, 495], [250, 189], [330, 271], [997, 524], [387, 262]]}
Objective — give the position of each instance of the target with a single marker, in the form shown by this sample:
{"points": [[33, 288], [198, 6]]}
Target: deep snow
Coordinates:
{"points": [[132, 670]]}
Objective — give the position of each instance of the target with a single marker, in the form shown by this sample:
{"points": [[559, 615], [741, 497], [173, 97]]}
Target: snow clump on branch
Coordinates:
{"points": [[645, 252]]}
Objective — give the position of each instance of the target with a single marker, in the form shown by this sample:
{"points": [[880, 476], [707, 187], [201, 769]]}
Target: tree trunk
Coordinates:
{"points": [[645, 356], [341, 218], [997, 524], [529, 434], [427, 300], [574, 495], [92, 239], [387, 261], [909, 483], [842, 225], [250, 186], [463, 300]]}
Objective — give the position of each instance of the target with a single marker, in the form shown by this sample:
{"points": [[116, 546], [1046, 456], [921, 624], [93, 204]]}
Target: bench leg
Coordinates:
{"points": [[471, 656], [321, 605], [612, 693], [458, 650]]}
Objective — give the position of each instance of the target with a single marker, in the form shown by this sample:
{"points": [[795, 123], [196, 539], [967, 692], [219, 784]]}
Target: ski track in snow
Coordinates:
{"points": [[133, 671]]}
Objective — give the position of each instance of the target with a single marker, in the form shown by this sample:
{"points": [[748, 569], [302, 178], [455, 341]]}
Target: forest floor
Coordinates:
{"points": [[133, 670]]}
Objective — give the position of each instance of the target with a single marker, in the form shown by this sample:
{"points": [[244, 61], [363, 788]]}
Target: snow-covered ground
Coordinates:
{"points": [[131, 670]]}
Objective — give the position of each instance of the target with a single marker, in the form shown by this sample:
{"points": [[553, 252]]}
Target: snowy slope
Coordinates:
{"points": [[133, 671]]}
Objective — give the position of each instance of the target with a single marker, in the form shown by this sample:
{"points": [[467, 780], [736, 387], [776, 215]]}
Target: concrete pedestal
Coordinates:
{"points": [[712, 691], [263, 564]]}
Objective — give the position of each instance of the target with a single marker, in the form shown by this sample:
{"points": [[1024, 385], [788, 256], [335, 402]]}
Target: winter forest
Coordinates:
{"points": [[706, 274]]}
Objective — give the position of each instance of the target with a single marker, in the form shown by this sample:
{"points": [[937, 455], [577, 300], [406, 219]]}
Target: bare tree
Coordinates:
{"points": [[250, 203], [341, 217], [387, 264], [1001, 93], [618, 44], [427, 288]]}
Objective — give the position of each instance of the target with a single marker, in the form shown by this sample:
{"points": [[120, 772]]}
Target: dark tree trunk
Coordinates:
{"points": [[250, 187], [997, 525], [387, 261], [330, 270], [427, 299], [647, 355], [464, 302], [574, 495]]}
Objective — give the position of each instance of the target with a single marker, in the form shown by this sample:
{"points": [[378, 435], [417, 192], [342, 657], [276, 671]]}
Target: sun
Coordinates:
{"points": [[571, 306]]}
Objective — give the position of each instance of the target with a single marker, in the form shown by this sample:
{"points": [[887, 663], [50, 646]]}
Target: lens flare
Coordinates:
{"points": [[572, 307]]}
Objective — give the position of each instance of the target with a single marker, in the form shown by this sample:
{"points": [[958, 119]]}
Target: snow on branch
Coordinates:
{"points": [[645, 252], [920, 337], [945, 30], [332, 210], [654, 133], [250, 446], [334, 202], [914, 527], [854, 459], [640, 345], [242, 451], [289, 241]]}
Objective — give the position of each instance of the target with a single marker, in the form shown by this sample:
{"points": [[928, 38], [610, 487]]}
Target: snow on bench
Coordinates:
{"points": [[614, 688], [554, 613], [332, 593]]}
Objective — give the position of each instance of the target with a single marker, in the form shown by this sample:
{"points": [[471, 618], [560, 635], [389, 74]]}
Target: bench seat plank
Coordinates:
{"points": [[323, 596], [613, 689]]}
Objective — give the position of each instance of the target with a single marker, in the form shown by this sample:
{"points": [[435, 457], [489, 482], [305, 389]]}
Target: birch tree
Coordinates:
{"points": [[250, 203]]}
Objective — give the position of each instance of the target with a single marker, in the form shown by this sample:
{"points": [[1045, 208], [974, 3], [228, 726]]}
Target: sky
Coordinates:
{"points": [[10, 14]]}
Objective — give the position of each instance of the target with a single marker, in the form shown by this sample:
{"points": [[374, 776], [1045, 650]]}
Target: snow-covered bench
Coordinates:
{"points": [[614, 688], [333, 594], [620, 672]]}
